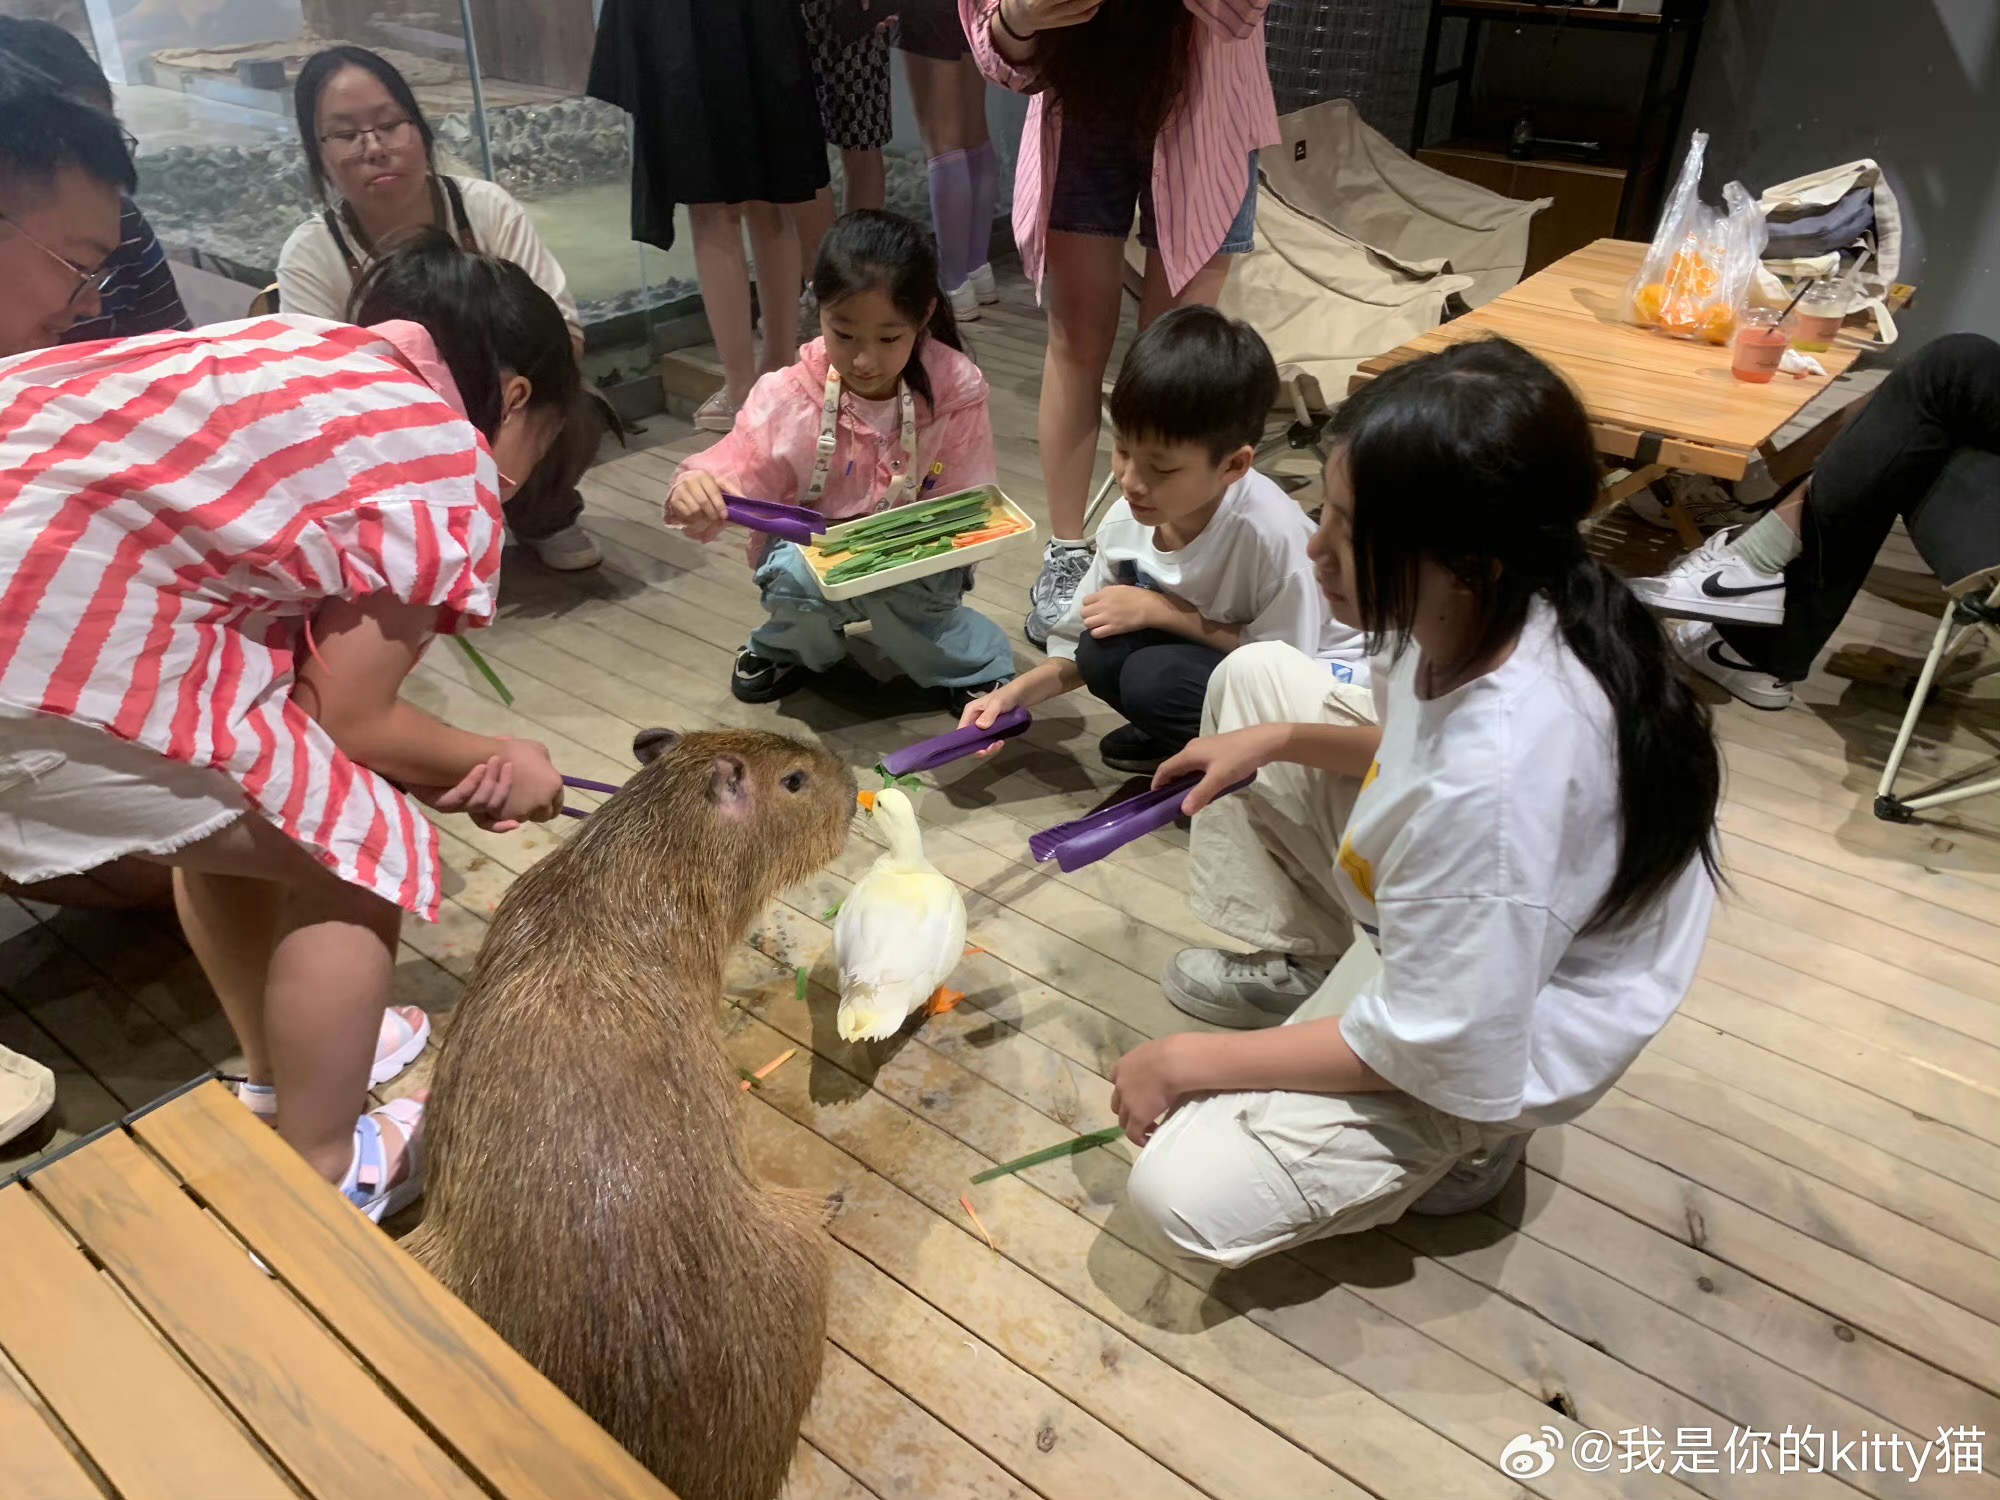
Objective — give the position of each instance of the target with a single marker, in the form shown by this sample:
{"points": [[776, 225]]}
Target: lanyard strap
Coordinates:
{"points": [[829, 426]]}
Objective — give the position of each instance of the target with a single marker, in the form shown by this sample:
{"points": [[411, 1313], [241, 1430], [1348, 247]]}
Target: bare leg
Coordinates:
{"points": [[1204, 290], [231, 923], [867, 179], [328, 948], [811, 221], [1792, 509], [943, 95], [725, 291], [775, 245], [1082, 288]]}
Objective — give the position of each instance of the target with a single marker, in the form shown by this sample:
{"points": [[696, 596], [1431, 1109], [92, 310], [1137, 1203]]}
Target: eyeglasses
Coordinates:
{"points": [[346, 145], [92, 280]]}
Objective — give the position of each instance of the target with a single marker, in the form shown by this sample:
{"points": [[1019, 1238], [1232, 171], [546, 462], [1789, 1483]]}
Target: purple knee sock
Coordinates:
{"points": [[951, 191], [985, 173]]}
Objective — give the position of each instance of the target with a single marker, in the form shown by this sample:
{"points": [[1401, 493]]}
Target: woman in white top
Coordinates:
{"points": [[370, 158], [1528, 840]]}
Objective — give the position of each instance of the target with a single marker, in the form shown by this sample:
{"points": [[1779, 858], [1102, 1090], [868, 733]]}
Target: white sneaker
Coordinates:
{"points": [[1063, 567], [27, 1090], [1715, 583], [1244, 991], [1709, 503], [1474, 1181], [569, 551], [964, 303], [983, 285], [1702, 648]]}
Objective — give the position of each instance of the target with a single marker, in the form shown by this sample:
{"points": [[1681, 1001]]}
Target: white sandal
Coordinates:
{"points": [[400, 1042], [366, 1185], [716, 414]]}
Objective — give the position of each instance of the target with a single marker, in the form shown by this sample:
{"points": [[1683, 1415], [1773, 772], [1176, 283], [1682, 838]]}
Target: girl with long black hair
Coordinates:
{"points": [[883, 409], [1526, 835]]}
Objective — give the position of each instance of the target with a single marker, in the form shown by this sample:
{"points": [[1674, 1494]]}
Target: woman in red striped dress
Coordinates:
{"points": [[221, 553]]}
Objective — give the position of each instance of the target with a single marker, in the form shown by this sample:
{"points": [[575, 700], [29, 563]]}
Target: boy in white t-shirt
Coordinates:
{"points": [[1201, 556]]}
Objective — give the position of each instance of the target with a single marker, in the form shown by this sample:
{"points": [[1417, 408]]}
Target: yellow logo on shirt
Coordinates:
{"points": [[1357, 869]]}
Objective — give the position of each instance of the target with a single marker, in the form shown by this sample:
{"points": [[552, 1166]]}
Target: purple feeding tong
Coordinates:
{"points": [[943, 749], [586, 786], [1086, 840], [791, 523]]}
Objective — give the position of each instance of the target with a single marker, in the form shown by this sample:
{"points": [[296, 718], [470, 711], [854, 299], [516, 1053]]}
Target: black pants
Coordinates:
{"points": [[1926, 448], [1155, 678]]}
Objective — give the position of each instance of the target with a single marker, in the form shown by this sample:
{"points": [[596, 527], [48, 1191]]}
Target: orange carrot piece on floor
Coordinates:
{"points": [[768, 1069], [972, 953], [973, 1214]]}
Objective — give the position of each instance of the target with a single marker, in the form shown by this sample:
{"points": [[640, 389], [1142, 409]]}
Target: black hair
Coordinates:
{"points": [[44, 127], [1124, 72], [1481, 458], [45, 45], [872, 249], [484, 314], [1196, 376], [318, 72]]}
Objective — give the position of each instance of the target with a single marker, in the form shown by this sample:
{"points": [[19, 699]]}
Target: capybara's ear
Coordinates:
{"points": [[648, 745], [729, 784]]}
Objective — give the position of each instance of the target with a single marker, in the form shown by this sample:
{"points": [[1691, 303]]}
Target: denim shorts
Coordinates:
{"points": [[1099, 178]]}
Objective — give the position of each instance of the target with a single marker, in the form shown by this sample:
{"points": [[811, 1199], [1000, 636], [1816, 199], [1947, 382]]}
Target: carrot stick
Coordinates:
{"points": [[991, 534], [973, 1214], [751, 1080]]}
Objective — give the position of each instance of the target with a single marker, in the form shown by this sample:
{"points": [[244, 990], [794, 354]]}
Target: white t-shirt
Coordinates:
{"points": [[1484, 837], [313, 279], [1248, 568]]}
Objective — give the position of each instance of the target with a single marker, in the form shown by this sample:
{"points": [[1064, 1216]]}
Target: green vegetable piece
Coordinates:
{"points": [[1073, 1147], [800, 993], [486, 669], [831, 912], [749, 1077]]}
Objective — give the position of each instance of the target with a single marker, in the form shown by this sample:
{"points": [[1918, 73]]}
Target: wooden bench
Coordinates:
{"points": [[147, 1357]]}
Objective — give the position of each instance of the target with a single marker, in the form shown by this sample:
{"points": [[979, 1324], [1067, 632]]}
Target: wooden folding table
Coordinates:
{"points": [[1656, 404], [146, 1356]]}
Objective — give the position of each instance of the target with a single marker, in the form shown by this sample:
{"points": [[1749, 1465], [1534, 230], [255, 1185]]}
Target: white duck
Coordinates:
{"points": [[900, 932]]}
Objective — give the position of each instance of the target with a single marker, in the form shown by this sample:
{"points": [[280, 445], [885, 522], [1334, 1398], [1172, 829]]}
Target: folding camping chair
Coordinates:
{"points": [[1972, 616], [1360, 248]]}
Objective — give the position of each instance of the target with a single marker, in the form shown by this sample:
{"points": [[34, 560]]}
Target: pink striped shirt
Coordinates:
{"points": [[1201, 161], [175, 507]]}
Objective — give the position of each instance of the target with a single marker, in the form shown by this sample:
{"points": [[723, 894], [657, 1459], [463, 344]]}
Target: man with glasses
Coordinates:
{"points": [[63, 167], [139, 295]]}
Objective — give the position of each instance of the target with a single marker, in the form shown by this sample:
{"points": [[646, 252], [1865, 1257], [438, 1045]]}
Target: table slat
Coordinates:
{"points": [[514, 1428], [304, 1397], [152, 1429], [38, 1465]]}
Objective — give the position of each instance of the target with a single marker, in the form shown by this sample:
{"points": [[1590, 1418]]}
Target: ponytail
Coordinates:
{"points": [[1481, 458], [871, 249]]}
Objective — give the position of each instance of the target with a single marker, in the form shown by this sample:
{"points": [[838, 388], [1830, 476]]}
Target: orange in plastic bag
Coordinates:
{"points": [[1697, 272]]}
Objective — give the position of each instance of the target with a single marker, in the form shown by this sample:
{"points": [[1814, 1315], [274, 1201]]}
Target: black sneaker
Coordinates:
{"points": [[1133, 750], [758, 679], [962, 696]]}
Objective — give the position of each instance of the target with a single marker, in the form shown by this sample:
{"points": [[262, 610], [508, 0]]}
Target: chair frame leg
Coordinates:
{"points": [[1968, 618]]}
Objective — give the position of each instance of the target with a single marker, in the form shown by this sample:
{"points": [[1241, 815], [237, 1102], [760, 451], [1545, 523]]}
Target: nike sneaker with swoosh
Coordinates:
{"points": [[1714, 583], [1703, 649]]}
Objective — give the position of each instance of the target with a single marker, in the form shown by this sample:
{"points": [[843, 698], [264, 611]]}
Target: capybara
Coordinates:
{"points": [[588, 1195]]}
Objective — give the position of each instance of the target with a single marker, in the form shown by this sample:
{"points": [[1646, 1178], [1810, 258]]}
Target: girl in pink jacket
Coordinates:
{"points": [[883, 409]]}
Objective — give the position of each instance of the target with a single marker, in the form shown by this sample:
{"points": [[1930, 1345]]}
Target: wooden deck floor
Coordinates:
{"points": [[1785, 1217]]}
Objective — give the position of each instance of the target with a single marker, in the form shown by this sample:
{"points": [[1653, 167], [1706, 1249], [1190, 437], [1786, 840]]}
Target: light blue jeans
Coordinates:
{"points": [[923, 626]]}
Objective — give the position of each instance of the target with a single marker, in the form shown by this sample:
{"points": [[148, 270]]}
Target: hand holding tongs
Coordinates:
{"points": [[943, 749], [1088, 839]]}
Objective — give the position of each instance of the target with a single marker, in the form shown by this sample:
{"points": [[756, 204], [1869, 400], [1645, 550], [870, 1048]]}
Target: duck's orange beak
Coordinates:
{"points": [[867, 801]]}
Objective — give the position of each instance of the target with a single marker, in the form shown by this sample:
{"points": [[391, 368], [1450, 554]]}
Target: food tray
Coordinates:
{"points": [[823, 557]]}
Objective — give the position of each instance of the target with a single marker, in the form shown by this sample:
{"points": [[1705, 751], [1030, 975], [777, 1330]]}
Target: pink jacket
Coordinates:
{"points": [[1201, 162], [768, 455]]}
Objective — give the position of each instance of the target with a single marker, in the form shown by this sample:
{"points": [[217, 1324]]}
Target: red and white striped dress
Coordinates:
{"points": [[173, 510]]}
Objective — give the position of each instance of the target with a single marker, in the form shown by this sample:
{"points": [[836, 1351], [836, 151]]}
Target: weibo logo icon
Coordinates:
{"points": [[1529, 1456]]}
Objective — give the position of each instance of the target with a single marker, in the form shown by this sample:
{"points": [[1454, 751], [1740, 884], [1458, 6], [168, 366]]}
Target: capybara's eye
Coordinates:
{"points": [[795, 782]]}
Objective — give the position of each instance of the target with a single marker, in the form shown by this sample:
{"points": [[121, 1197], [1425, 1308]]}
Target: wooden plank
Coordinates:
{"points": [[814, 1476], [321, 1415], [147, 1423], [894, 1447], [40, 1465], [503, 1419]]}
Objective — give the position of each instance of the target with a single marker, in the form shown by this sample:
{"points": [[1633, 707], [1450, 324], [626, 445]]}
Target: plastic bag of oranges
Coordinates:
{"points": [[1697, 272]]}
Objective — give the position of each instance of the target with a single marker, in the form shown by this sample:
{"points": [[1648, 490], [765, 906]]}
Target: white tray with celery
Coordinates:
{"points": [[879, 551]]}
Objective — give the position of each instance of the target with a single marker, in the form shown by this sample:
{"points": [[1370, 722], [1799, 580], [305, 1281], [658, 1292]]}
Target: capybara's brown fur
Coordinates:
{"points": [[588, 1195]]}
